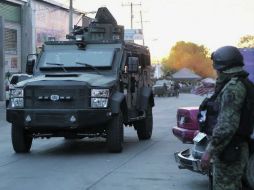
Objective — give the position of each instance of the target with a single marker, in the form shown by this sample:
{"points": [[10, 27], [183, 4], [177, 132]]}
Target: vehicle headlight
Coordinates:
{"points": [[16, 92], [99, 102], [79, 37], [99, 98], [17, 102], [100, 93], [16, 98]]}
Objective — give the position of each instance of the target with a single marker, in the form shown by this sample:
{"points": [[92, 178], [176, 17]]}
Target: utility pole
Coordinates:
{"points": [[142, 25], [71, 16], [131, 5], [2, 60], [142, 28]]}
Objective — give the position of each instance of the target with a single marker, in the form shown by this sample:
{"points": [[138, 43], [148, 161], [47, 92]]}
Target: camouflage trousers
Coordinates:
{"points": [[228, 176]]}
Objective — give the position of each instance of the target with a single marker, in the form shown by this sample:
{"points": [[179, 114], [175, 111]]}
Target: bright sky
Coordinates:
{"points": [[212, 23]]}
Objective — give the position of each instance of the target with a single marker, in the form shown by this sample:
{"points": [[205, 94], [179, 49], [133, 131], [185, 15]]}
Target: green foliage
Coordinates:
{"points": [[189, 55], [246, 41]]}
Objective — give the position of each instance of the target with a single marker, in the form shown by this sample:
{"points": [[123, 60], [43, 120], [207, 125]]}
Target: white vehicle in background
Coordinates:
{"points": [[12, 81], [163, 88]]}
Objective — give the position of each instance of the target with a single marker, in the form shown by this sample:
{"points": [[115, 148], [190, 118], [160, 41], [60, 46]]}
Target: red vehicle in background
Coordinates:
{"points": [[187, 124]]}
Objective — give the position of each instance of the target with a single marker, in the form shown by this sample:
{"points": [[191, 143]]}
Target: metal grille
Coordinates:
{"points": [[79, 97]]}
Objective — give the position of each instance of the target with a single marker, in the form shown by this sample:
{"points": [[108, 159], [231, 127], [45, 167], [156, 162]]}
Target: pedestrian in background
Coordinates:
{"points": [[176, 89], [227, 148]]}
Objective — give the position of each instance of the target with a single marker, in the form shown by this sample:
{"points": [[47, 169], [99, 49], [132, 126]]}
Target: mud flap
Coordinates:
{"points": [[145, 98]]}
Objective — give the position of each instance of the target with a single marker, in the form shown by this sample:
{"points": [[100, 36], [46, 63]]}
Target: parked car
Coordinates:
{"points": [[187, 124], [13, 80], [187, 130]]}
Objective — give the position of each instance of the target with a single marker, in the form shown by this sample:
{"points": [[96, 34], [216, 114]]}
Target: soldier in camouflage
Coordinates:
{"points": [[228, 150]]}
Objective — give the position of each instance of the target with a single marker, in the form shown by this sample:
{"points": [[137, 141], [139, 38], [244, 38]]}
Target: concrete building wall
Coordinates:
{"points": [[52, 22], [27, 44]]}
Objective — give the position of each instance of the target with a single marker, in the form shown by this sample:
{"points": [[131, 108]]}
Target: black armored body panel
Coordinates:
{"points": [[90, 86]]}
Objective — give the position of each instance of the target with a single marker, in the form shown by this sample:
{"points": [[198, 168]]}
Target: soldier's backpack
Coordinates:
{"points": [[247, 116]]}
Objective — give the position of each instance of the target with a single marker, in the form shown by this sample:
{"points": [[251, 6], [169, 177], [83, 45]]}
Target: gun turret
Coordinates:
{"points": [[104, 16], [104, 30]]}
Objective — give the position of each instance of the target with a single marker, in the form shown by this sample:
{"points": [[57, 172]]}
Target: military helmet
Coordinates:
{"points": [[226, 57]]}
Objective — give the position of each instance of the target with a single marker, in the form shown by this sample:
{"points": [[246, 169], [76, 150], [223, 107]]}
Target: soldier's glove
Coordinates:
{"points": [[205, 160]]}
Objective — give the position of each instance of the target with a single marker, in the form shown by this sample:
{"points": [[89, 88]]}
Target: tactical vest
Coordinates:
{"points": [[211, 108], [212, 111]]}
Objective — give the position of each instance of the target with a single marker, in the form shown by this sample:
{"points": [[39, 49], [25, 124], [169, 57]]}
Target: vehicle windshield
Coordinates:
{"points": [[70, 58]]}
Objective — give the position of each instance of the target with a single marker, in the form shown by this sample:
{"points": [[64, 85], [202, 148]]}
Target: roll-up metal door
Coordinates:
{"points": [[10, 12]]}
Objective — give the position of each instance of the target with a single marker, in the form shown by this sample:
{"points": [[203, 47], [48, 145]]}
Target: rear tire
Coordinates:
{"points": [[21, 141], [115, 134], [145, 126], [249, 175]]}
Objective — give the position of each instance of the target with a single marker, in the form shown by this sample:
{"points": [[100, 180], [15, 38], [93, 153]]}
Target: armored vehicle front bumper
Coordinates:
{"points": [[58, 118]]}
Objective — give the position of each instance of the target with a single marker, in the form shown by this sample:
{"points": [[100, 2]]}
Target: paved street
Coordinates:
{"points": [[85, 164]]}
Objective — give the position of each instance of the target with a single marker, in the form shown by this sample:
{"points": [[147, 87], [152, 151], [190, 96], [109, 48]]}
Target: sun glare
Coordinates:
{"points": [[211, 23]]}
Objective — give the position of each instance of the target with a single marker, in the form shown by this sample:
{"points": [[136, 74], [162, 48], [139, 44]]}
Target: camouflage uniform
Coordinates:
{"points": [[227, 175]]}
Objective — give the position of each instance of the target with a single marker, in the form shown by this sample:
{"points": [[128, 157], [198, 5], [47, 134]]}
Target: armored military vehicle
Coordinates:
{"points": [[90, 86]]}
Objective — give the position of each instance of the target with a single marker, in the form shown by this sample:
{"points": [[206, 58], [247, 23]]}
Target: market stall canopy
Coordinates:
{"points": [[185, 74]]}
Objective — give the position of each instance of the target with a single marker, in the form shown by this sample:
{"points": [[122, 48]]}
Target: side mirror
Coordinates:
{"points": [[133, 63], [30, 66], [31, 58]]}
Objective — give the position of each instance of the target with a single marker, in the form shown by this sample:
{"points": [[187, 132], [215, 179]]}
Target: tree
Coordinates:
{"points": [[166, 68], [189, 55], [246, 41]]}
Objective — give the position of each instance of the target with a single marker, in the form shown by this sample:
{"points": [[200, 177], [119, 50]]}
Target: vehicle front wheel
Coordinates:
{"points": [[21, 141], [145, 127], [249, 175], [115, 134]]}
